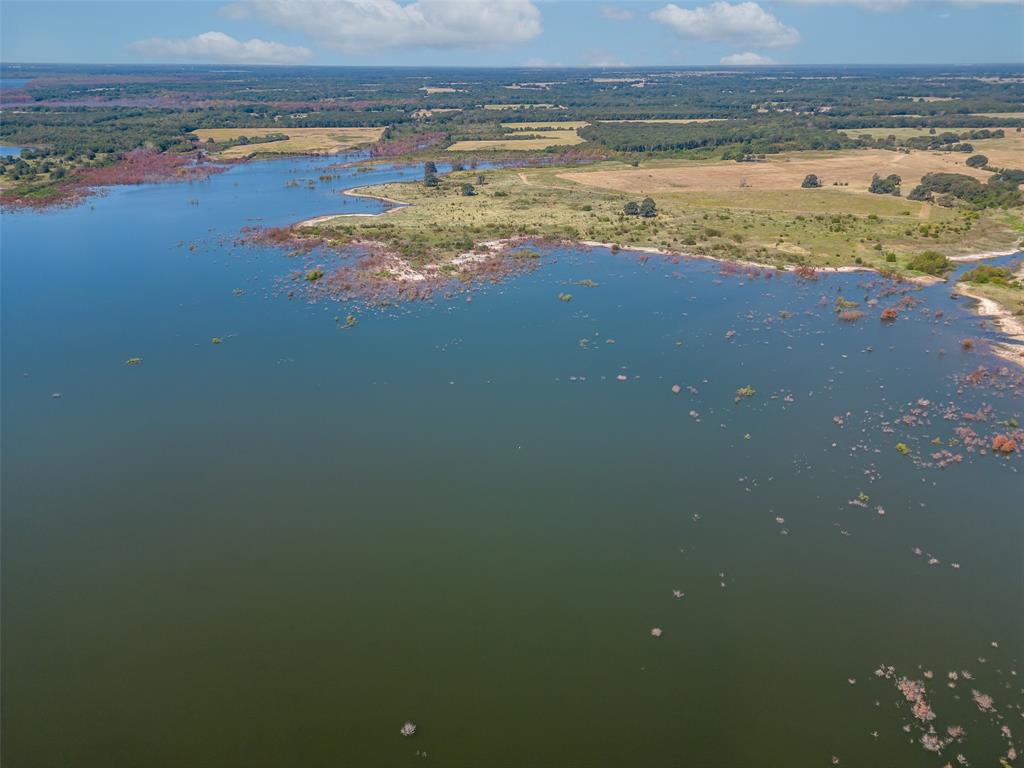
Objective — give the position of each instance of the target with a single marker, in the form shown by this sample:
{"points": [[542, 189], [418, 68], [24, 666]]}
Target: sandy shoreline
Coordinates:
{"points": [[1009, 325], [352, 193]]}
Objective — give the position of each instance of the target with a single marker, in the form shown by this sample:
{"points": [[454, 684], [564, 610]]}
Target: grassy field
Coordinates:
{"points": [[1007, 152], [670, 121], [899, 133], [548, 125], [520, 106], [827, 227], [1001, 115], [854, 168], [301, 141], [527, 136]]}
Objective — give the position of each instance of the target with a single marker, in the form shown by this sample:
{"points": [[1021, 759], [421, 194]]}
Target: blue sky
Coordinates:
{"points": [[514, 32]]}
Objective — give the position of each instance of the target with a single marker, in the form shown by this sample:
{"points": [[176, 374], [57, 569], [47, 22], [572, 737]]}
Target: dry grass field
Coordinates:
{"points": [[1007, 152], [301, 141], [1000, 115], [520, 106], [549, 125], [853, 168], [671, 121], [527, 136]]}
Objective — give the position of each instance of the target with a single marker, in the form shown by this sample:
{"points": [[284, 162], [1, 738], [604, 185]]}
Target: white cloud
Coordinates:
{"points": [[367, 25], [747, 59], [741, 23], [612, 13], [597, 57], [219, 47], [888, 5]]}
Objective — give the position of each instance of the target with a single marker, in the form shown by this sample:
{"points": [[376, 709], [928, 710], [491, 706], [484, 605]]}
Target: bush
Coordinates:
{"points": [[648, 208], [811, 181], [631, 208], [930, 263], [468, 190], [976, 161], [986, 273]]}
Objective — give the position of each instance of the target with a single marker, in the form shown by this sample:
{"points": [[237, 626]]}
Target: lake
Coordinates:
{"points": [[471, 515]]}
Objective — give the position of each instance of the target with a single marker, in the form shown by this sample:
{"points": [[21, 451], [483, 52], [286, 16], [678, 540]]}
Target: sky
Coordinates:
{"points": [[556, 33]]}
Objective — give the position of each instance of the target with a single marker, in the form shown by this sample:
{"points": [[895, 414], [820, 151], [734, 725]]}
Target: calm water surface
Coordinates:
{"points": [[275, 550]]}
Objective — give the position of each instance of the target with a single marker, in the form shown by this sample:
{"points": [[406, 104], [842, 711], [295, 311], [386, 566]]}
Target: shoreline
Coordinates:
{"points": [[1009, 326], [317, 220]]}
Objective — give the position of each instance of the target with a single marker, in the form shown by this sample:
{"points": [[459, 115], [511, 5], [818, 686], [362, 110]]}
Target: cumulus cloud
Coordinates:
{"points": [[219, 47], [892, 4], [612, 13], [740, 23], [366, 25], [746, 59]]}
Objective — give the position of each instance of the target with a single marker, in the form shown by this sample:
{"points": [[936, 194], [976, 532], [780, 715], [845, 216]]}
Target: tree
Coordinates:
{"points": [[631, 208], [430, 174], [811, 181], [976, 161], [648, 209], [468, 190], [890, 185], [931, 263]]}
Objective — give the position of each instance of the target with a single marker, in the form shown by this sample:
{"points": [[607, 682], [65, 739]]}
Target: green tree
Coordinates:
{"points": [[631, 208], [648, 209], [430, 174], [976, 161], [811, 181]]}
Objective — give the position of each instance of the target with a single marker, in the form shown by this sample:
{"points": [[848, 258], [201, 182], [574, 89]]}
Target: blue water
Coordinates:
{"points": [[277, 549], [13, 83]]}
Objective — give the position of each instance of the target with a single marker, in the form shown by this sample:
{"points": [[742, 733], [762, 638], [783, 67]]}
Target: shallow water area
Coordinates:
{"points": [[279, 547]]}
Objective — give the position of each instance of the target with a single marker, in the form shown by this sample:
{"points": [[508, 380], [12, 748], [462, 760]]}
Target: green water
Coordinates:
{"points": [[276, 550]]}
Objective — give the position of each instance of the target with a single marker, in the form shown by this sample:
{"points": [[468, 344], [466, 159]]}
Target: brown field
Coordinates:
{"points": [[550, 125], [430, 89], [1000, 115], [530, 139], [521, 106], [671, 120], [854, 167], [312, 141], [1007, 152]]}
